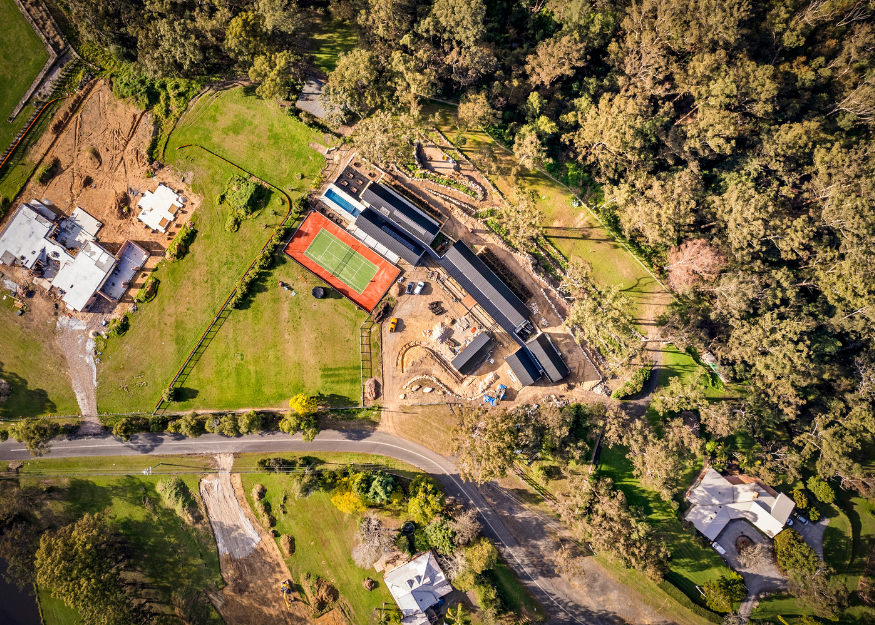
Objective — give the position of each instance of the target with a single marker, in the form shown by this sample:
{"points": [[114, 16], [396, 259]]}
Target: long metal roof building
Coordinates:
{"points": [[388, 234], [523, 367], [547, 355], [401, 212], [470, 357]]}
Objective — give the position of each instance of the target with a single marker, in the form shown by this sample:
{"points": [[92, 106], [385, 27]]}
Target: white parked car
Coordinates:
{"points": [[719, 549], [419, 286]]}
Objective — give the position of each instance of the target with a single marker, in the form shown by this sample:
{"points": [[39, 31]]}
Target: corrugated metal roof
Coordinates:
{"points": [[473, 354], [483, 285], [523, 367], [373, 224], [401, 212], [548, 356]]}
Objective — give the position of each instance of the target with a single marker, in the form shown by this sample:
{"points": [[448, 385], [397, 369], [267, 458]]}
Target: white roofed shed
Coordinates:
{"points": [[158, 209]]}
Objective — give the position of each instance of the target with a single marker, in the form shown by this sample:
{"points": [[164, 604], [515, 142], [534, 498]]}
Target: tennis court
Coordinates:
{"points": [[328, 251], [341, 261]]}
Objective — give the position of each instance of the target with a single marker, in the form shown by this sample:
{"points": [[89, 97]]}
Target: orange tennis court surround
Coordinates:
{"points": [[368, 299]]}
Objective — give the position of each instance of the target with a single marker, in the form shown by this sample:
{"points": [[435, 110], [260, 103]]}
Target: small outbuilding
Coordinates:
{"points": [[158, 209], [417, 587], [470, 358], [523, 367]]}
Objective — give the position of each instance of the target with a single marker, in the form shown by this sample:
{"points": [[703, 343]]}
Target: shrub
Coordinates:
{"points": [[403, 544], [373, 486], [190, 425], [179, 246], [123, 429], [721, 593], [258, 492], [287, 544], [228, 425], [440, 535], [426, 499], [793, 553], [158, 423], [420, 540], [177, 496], [302, 484], [169, 394], [4, 436], [481, 555], [800, 498], [487, 600], [821, 490], [635, 384], [148, 291], [250, 422], [275, 464], [344, 499], [303, 404]]}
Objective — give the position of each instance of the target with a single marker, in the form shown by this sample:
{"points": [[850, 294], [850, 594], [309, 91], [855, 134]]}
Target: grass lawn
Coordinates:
{"points": [[269, 350], [55, 611], [31, 362], [691, 564], [171, 555], [247, 462], [323, 543], [132, 465], [516, 597], [22, 56], [331, 38]]}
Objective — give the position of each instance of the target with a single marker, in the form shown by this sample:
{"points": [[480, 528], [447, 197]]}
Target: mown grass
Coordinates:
{"points": [[330, 39], [691, 564], [324, 538], [248, 461], [277, 344], [31, 362], [22, 56], [55, 611], [118, 464], [170, 554]]}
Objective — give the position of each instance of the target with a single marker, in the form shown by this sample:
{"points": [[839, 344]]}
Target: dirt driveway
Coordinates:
{"points": [[250, 560]]}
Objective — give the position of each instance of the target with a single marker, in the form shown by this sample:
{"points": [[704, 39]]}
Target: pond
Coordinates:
{"points": [[17, 607]]}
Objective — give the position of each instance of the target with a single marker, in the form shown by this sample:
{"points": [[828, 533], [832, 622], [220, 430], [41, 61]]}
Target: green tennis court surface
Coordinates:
{"points": [[341, 260]]}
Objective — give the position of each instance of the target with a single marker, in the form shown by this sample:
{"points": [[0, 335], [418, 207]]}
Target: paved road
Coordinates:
{"points": [[561, 609]]}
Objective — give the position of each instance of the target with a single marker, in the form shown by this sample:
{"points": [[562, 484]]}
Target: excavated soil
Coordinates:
{"points": [[251, 563]]}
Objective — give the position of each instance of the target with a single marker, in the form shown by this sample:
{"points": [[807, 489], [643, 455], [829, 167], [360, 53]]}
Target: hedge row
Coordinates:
{"points": [[634, 384]]}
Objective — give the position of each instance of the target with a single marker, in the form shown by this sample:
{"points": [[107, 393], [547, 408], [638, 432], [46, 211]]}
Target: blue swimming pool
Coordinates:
{"points": [[338, 199]]}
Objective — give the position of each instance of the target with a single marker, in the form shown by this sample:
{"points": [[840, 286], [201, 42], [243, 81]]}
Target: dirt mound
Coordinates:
{"points": [[372, 388]]}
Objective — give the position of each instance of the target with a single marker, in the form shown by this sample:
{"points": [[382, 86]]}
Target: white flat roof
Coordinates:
{"points": [[158, 209], [80, 279], [85, 221], [24, 239]]}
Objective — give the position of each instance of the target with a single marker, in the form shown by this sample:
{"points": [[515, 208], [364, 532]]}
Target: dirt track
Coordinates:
{"points": [[250, 560]]}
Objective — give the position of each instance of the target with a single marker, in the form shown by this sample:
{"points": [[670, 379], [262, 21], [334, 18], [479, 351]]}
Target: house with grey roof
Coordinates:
{"points": [[716, 500], [417, 587]]}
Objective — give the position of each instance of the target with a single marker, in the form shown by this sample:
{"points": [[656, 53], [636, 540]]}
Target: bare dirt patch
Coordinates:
{"points": [[250, 560]]}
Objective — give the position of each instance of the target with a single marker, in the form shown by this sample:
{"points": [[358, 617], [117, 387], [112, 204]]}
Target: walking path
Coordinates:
{"points": [[561, 605]]}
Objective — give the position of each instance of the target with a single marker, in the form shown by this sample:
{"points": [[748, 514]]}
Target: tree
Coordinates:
{"points": [[678, 396], [756, 556], [80, 564], [123, 429], [800, 498], [34, 433], [426, 499], [383, 138], [528, 145], [828, 598], [374, 539], [722, 592], [465, 526], [475, 112], [353, 85], [303, 404], [485, 443], [440, 535], [458, 615], [554, 58], [228, 425], [522, 219], [481, 555], [692, 263], [245, 37], [169, 394], [344, 499], [821, 489], [658, 462], [190, 425], [250, 422], [600, 515], [603, 319], [794, 554], [373, 486], [457, 21], [274, 73]]}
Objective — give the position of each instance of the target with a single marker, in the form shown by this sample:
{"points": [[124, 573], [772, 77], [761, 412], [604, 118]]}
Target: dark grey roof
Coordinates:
{"points": [[384, 231], [309, 100], [470, 357], [486, 288], [547, 355], [351, 182], [401, 212], [526, 371]]}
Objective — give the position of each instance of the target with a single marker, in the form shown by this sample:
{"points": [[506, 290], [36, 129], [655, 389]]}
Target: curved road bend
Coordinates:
{"points": [[563, 610]]}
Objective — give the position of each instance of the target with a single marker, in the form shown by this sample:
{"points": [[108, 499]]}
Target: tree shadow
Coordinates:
{"points": [[24, 402], [184, 394]]}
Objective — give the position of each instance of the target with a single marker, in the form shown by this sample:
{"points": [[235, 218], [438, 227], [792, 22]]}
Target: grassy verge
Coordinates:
{"points": [[133, 465], [277, 344], [691, 563], [247, 462], [515, 596], [430, 426], [22, 56], [324, 537], [32, 364], [330, 39]]}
